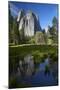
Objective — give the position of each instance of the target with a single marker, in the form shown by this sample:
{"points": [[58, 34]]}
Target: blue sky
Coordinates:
{"points": [[45, 12]]}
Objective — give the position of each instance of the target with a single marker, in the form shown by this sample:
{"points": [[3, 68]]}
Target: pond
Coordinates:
{"points": [[28, 73]]}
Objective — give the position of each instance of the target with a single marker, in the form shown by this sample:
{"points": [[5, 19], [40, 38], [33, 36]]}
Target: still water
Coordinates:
{"points": [[28, 73]]}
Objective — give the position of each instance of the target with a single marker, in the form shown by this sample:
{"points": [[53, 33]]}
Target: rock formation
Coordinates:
{"points": [[28, 22]]}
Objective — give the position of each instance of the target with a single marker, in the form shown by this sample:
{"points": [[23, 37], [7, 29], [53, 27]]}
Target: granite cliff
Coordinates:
{"points": [[28, 22]]}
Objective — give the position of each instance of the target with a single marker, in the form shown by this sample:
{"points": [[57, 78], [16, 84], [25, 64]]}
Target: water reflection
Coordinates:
{"points": [[26, 66], [30, 73]]}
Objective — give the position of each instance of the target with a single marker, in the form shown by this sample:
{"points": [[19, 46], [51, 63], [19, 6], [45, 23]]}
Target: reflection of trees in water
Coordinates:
{"points": [[54, 69], [47, 70], [51, 68], [26, 67]]}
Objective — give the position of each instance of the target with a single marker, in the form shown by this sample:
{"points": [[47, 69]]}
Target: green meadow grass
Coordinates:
{"points": [[26, 49]]}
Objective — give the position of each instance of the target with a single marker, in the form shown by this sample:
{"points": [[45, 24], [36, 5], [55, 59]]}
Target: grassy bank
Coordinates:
{"points": [[26, 49]]}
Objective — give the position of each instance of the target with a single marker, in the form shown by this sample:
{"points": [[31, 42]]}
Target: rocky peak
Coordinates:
{"points": [[28, 22], [20, 15]]}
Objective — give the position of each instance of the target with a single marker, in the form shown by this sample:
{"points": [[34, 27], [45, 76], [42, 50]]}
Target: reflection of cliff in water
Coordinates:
{"points": [[26, 66], [29, 73]]}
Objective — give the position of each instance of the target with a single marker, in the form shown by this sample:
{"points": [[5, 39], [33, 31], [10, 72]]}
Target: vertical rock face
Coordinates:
{"points": [[20, 15], [28, 22], [20, 19], [29, 25]]}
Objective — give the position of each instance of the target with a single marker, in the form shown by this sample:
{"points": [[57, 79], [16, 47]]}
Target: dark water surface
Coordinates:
{"points": [[28, 73]]}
